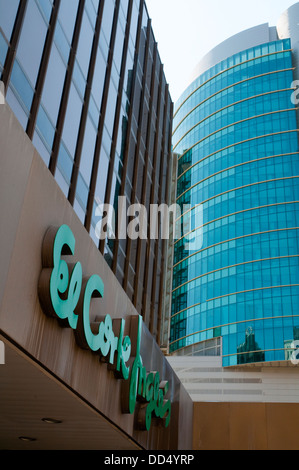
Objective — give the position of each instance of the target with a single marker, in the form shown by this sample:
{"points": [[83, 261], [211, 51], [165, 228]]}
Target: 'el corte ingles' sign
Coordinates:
{"points": [[66, 295]]}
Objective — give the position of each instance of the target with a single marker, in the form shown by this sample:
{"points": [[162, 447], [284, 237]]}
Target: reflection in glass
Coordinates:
{"points": [[29, 51], [249, 351], [235, 132]]}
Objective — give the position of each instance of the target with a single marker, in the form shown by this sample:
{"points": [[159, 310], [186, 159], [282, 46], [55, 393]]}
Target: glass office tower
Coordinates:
{"points": [[236, 136], [86, 82]]}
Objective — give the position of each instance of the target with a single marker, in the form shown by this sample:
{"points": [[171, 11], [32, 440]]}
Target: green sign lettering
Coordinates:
{"points": [[146, 387], [63, 293]]}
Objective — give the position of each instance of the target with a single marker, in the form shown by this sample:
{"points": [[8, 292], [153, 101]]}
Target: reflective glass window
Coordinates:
{"points": [[235, 132], [8, 12], [67, 17], [54, 82], [29, 51], [72, 120]]}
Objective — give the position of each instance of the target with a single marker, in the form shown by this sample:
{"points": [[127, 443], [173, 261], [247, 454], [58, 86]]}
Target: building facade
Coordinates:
{"points": [[86, 119], [236, 135], [92, 96]]}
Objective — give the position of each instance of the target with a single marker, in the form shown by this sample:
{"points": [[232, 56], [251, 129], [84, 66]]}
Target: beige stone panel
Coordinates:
{"points": [[16, 154]]}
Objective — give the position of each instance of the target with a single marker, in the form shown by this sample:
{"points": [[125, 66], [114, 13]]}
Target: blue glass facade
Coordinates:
{"points": [[235, 134]]}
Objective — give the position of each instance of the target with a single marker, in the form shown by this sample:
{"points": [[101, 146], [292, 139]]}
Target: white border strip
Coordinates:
{"points": [[2, 93]]}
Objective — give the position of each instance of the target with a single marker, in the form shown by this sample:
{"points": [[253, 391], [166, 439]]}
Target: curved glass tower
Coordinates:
{"points": [[236, 136]]}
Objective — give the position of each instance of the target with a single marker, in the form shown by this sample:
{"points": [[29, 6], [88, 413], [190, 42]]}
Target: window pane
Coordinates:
{"points": [[88, 151], [22, 85], [53, 86], [3, 51], [8, 11], [85, 44], [30, 49], [67, 16], [72, 120]]}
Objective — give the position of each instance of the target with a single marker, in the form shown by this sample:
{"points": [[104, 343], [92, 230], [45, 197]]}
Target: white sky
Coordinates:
{"points": [[187, 29]]}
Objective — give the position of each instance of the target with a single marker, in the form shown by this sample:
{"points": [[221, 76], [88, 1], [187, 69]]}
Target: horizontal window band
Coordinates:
{"points": [[201, 160], [233, 239], [235, 166], [257, 392], [239, 122], [238, 212], [232, 293], [229, 106], [230, 68], [231, 214], [235, 189], [233, 266], [231, 324], [239, 143], [257, 351], [232, 86]]}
